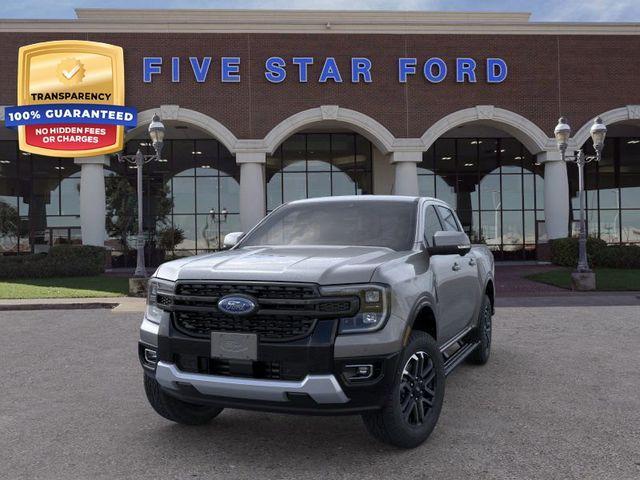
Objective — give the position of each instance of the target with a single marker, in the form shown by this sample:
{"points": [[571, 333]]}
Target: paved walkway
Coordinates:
{"points": [[559, 399], [511, 281]]}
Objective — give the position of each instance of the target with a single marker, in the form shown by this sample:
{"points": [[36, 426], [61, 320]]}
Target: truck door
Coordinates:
{"points": [[456, 280]]}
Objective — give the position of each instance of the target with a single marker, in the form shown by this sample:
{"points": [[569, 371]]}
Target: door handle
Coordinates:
{"points": [[472, 262], [455, 267]]}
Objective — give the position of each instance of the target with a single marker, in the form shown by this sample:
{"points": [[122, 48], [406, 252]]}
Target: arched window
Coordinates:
{"points": [[311, 165], [194, 191], [39, 200], [612, 189], [495, 187]]}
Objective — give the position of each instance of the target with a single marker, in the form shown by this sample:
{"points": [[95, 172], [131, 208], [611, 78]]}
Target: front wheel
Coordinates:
{"points": [[482, 335], [413, 407], [176, 410]]}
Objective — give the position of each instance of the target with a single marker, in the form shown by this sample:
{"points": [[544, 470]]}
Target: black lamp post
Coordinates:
{"points": [[156, 133], [562, 133]]}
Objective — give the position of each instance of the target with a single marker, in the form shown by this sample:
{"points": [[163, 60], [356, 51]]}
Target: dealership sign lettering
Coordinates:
{"points": [[307, 69], [70, 99]]}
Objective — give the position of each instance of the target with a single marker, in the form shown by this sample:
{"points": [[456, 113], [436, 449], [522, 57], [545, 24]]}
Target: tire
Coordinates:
{"points": [[176, 410], [481, 354], [400, 422]]}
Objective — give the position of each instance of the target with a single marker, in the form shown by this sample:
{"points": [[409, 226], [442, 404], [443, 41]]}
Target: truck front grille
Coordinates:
{"points": [[269, 327], [285, 311]]}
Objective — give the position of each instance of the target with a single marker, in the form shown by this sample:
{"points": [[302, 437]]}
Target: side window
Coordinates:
{"points": [[431, 224], [449, 221]]}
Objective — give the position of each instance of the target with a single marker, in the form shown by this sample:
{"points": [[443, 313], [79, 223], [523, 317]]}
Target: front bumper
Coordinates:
{"points": [[308, 378], [322, 389]]}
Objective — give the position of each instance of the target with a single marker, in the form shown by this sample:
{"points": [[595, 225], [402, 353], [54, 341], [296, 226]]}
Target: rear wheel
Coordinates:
{"points": [[413, 407], [176, 410], [481, 354]]}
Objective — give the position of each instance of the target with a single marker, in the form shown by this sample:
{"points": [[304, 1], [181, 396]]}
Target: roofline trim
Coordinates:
{"points": [[310, 21], [280, 15]]}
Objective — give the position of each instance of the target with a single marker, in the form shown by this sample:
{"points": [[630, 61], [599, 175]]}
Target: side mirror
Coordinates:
{"points": [[449, 243], [232, 239]]}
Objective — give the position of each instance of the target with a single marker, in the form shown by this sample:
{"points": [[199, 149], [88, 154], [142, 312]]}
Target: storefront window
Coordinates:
{"points": [[309, 165], [191, 199], [39, 200], [493, 183], [495, 187], [612, 192]]}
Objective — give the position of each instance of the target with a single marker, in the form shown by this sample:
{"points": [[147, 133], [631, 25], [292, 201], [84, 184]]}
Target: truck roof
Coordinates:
{"points": [[364, 198]]}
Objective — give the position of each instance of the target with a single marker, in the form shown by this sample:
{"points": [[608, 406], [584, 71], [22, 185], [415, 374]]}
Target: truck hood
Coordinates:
{"points": [[323, 265]]}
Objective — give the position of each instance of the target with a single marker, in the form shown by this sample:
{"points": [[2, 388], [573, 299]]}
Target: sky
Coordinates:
{"points": [[542, 10]]}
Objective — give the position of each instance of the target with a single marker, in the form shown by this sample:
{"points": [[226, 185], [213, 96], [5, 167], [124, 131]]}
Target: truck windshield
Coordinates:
{"points": [[378, 223]]}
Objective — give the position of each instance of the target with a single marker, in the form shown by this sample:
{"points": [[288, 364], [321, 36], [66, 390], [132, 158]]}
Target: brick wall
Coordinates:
{"points": [[578, 76]]}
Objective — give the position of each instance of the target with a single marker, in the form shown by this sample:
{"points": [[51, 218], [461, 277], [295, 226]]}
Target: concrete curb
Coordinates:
{"points": [[572, 299], [12, 307], [114, 304]]}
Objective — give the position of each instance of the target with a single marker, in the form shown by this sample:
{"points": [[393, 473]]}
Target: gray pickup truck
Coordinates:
{"points": [[339, 305]]}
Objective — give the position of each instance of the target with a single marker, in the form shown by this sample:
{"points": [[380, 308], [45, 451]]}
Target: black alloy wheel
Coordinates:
{"points": [[481, 354], [414, 402], [417, 388]]}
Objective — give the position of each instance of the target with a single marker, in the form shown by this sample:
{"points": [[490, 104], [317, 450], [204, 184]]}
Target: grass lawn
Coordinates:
{"points": [[70, 287], [607, 279]]}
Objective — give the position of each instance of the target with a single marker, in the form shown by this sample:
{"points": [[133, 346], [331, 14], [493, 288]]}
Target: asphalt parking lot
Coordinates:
{"points": [[560, 398]]}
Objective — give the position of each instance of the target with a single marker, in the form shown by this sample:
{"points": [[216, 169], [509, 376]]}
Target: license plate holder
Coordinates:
{"points": [[234, 346]]}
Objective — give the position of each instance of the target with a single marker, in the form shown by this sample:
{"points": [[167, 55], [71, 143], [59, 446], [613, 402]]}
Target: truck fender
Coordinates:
{"points": [[422, 302]]}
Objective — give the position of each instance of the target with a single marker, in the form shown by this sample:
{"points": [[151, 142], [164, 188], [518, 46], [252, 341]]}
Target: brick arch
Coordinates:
{"points": [[192, 117], [616, 115], [527, 132], [374, 131]]}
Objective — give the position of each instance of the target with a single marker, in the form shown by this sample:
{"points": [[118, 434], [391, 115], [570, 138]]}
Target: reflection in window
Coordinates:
{"points": [[612, 192], [309, 165], [495, 187], [200, 181], [39, 200], [630, 225]]}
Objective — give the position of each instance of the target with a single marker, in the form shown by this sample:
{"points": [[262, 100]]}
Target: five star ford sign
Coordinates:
{"points": [[71, 99]]}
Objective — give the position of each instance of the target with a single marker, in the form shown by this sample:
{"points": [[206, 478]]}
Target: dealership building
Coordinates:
{"points": [[265, 107]]}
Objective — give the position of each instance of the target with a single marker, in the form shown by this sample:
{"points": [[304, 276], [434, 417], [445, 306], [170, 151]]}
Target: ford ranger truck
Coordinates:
{"points": [[340, 305]]}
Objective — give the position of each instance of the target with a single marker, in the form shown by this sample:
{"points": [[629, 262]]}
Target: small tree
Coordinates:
{"points": [[169, 237], [9, 222], [122, 208]]}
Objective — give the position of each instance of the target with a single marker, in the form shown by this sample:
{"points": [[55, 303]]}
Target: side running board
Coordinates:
{"points": [[452, 361]]}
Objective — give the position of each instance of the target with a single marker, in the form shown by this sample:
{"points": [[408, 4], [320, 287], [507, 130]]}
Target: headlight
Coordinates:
{"points": [[374, 306], [160, 292]]}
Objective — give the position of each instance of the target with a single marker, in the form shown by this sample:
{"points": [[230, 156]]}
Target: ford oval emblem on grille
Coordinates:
{"points": [[237, 305]]}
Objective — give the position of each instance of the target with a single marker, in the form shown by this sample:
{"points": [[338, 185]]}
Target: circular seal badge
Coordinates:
{"points": [[70, 71]]}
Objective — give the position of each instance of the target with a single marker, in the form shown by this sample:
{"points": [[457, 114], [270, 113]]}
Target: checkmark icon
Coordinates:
{"points": [[71, 73]]}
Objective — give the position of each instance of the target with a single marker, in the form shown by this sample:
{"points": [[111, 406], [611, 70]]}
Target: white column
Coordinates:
{"points": [[93, 208], [406, 172], [556, 194], [252, 188]]}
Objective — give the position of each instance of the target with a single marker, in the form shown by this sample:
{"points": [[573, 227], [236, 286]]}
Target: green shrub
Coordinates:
{"points": [[564, 252], [169, 237], [618, 256], [61, 261]]}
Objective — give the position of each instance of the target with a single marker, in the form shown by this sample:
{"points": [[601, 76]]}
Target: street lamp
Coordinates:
{"points": [[156, 133], [562, 133]]}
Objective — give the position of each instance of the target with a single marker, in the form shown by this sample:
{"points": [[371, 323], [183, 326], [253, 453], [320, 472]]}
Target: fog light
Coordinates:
{"points": [[358, 372], [150, 356], [369, 318]]}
